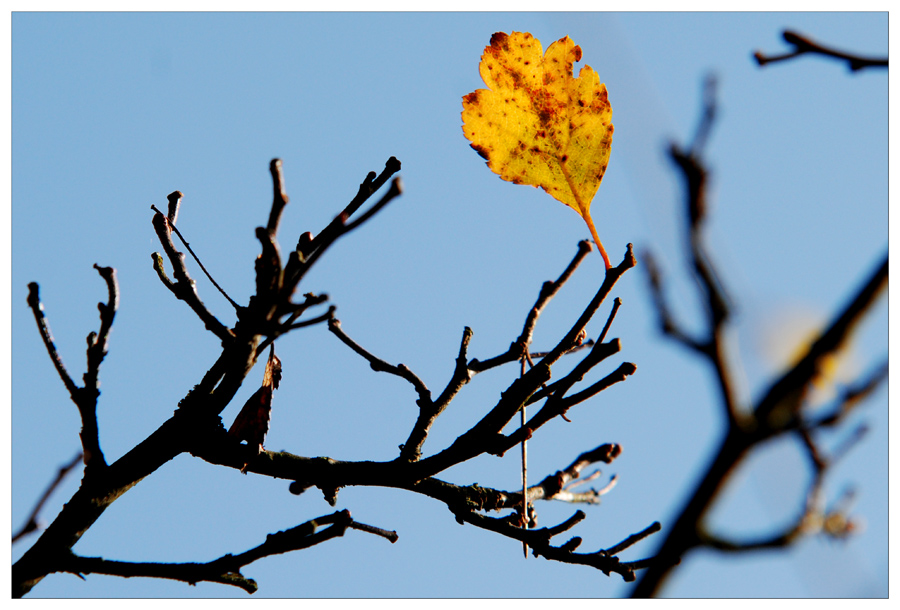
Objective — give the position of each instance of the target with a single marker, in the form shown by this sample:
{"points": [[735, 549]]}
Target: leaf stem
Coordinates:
{"points": [[590, 224]]}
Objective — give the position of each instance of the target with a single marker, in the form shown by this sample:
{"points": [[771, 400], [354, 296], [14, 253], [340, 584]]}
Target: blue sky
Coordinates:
{"points": [[111, 112]]}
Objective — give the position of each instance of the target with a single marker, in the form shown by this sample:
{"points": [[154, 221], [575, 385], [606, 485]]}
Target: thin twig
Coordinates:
{"points": [[310, 249], [32, 523], [524, 445], [226, 569], [634, 538], [411, 450], [548, 291], [184, 287], [196, 258], [388, 534], [803, 45], [377, 364], [37, 308], [279, 199]]}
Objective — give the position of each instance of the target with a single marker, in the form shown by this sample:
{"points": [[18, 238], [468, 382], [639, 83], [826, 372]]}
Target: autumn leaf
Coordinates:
{"points": [[252, 423], [538, 125]]}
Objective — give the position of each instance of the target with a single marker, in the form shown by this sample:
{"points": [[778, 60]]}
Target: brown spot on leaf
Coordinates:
{"points": [[481, 150], [500, 40]]}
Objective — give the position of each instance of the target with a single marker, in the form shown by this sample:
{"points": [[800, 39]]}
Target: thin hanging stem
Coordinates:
{"points": [[202, 268]]}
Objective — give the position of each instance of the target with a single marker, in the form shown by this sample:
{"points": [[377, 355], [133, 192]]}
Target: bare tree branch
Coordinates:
{"points": [[184, 288], [37, 308], [777, 412], [377, 364], [85, 398], [174, 201], [196, 427], [227, 569], [279, 199]]}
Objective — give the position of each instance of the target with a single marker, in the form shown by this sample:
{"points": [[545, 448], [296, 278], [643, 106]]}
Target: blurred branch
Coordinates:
{"points": [[784, 397], [804, 45], [32, 523], [777, 412], [713, 347], [853, 396]]}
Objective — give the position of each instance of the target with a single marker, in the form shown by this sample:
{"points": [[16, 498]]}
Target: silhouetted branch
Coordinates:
{"points": [[279, 199], [309, 248], [184, 288], [173, 213], [520, 346], [804, 45], [85, 398], [377, 364], [37, 308], [634, 538], [227, 569], [429, 410], [196, 426]]}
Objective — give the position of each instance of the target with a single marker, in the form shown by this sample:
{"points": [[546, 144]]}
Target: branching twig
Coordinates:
{"points": [[183, 287], [520, 346], [777, 412], [227, 569], [411, 450], [310, 249], [485, 434], [551, 488], [85, 398], [197, 429], [177, 195], [803, 45]]}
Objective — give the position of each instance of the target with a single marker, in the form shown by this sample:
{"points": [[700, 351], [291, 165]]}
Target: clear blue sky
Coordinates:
{"points": [[111, 112]]}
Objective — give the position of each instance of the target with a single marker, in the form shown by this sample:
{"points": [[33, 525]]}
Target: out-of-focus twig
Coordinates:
{"points": [[32, 523], [804, 45]]}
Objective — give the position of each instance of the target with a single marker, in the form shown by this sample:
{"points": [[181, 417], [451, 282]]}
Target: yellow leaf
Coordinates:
{"points": [[538, 125]]}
